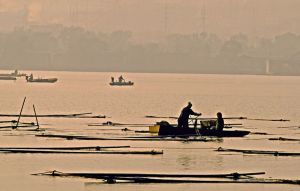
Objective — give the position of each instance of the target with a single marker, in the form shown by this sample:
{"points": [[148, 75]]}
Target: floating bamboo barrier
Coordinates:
{"points": [[234, 175], [76, 115], [274, 153], [233, 178], [19, 126], [78, 137], [109, 123], [212, 118], [283, 139], [97, 148], [32, 151]]}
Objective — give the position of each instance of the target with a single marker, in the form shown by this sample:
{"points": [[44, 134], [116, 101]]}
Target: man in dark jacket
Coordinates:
{"points": [[220, 122], [183, 120]]}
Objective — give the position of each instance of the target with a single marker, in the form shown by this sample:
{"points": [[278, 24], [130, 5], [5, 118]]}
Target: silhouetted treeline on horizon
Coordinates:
{"points": [[56, 47]]}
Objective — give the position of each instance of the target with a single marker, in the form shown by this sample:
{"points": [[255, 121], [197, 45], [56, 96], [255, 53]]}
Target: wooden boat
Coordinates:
{"points": [[167, 129], [14, 74], [7, 78], [41, 80], [129, 83]]}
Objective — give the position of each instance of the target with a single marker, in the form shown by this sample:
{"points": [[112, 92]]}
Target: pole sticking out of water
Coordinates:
{"points": [[20, 114], [36, 119]]}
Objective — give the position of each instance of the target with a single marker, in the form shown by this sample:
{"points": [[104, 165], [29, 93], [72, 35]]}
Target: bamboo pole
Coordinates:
{"points": [[153, 152], [71, 137], [234, 178], [283, 139], [81, 115], [274, 153], [36, 119], [20, 113], [234, 175]]}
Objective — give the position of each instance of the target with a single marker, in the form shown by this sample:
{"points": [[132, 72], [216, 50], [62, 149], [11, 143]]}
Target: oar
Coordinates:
{"points": [[20, 113]]}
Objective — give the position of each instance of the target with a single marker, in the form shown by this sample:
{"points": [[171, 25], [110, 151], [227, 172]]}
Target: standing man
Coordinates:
{"points": [[220, 122], [183, 120]]}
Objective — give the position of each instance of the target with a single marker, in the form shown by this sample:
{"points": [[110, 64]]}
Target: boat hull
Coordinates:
{"points": [[170, 130], [7, 78], [121, 83], [50, 80]]}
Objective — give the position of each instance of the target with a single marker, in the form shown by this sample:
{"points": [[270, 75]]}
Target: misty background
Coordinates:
{"points": [[182, 36]]}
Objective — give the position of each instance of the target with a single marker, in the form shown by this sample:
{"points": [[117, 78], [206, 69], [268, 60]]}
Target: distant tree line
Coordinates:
{"points": [[56, 47]]}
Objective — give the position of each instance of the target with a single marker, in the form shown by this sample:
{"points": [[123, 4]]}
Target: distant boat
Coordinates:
{"points": [[40, 80], [7, 78], [13, 74], [129, 83], [121, 82]]}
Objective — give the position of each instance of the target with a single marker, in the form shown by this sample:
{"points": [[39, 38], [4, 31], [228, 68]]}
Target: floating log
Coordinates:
{"points": [[79, 137], [274, 153], [32, 151], [97, 148], [283, 139]]}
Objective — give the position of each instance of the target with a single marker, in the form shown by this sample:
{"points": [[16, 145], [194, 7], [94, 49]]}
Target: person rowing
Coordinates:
{"points": [[183, 120], [121, 79]]}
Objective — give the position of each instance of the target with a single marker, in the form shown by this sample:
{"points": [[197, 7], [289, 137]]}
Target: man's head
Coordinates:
{"points": [[219, 115], [190, 105]]}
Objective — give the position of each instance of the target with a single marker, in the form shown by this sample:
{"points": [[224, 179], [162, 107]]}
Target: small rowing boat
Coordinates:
{"points": [[7, 78], [167, 129], [120, 82], [40, 80], [129, 83]]}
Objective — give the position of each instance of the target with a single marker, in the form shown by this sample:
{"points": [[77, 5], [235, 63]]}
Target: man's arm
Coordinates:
{"points": [[194, 113]]}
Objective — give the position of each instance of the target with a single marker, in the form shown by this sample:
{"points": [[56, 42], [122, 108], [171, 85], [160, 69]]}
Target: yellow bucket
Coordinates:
{"points": [[154, 129]]}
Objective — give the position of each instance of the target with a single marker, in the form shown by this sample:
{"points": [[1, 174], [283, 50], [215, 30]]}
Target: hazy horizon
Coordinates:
{"points": [[165, 36], [154, 18]]}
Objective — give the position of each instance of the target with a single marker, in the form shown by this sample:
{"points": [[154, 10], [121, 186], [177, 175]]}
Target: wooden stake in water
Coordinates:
{"points": [[20, 114], [37, 122]]}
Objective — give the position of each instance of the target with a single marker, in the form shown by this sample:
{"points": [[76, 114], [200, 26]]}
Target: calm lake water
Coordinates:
{"points": [[268, 97]]}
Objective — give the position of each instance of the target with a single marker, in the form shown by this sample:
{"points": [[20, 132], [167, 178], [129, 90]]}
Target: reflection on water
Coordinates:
{"points": [[154, 94], [186, 161]]}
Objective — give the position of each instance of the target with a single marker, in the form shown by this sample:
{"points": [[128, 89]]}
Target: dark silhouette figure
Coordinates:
{"points": [[183, 120], [121, 79], [112, 79], [220, 122]]}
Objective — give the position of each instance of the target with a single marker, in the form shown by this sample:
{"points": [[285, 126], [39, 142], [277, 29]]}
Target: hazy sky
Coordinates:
{"points": [[153, 17]]}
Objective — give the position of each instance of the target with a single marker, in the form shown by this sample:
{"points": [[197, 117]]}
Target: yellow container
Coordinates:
{"points": [[154, 129]]}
